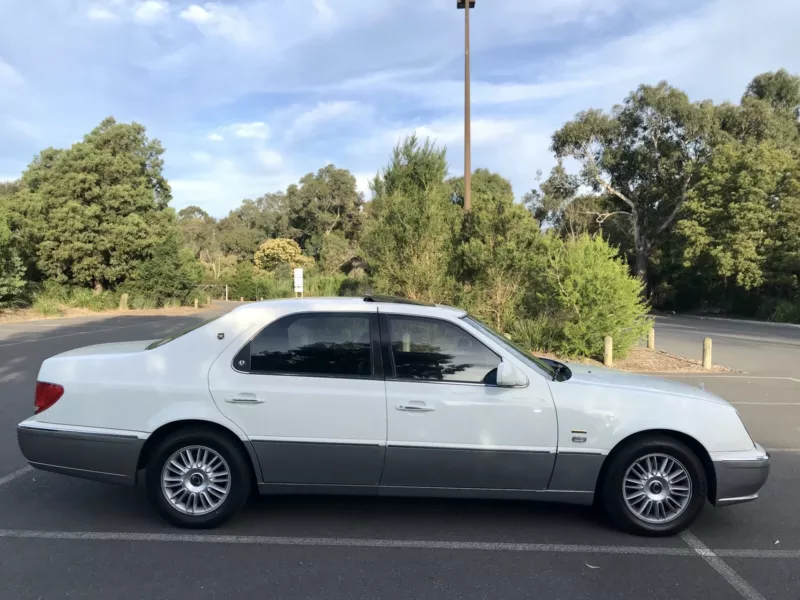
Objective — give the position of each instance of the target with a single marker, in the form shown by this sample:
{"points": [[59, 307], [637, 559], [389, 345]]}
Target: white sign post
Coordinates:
{"points": [[298, 282]]}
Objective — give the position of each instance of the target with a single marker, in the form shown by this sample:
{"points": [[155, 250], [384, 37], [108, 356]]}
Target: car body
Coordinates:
{"points": [[376, 396]]}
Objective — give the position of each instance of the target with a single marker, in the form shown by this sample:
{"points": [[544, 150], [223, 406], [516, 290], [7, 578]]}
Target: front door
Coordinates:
{"points": [[450, 426], [308, 390]]}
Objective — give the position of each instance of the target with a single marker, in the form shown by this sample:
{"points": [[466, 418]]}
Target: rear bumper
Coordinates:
{"points": [[739, 479], [97, 456]]}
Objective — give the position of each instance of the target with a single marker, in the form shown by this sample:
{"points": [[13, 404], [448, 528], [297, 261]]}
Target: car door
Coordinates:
{"points": [[308, 390], [450, 426]]}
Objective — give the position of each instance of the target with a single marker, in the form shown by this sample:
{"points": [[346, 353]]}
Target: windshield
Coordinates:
{"points": [[511, 346], [180, 333]]}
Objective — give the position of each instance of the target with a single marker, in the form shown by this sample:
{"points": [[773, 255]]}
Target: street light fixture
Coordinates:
{"points": [[462, 4]]}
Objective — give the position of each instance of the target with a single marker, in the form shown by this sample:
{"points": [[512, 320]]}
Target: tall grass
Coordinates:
{"points": [[47, 306], [142, 302]]}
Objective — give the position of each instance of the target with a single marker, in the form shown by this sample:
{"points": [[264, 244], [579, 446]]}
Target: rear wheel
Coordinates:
{"points": [[654, 486], [198, 478]]}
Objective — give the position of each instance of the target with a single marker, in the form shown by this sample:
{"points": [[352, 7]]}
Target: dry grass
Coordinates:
{"points": [[642, 360]]}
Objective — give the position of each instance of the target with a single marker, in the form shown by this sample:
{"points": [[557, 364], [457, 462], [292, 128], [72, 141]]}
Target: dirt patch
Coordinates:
{"points": [[28, 314], [642, 360]]}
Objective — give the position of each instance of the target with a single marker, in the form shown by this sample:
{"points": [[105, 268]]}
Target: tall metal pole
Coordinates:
{"points": [[467, 117]]}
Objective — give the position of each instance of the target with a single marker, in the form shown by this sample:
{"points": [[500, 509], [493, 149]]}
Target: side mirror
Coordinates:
{"points": [[509, 376]]}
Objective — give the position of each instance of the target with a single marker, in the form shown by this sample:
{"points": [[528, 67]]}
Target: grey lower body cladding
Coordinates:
{"points": [[100, 457], [361, 468]]}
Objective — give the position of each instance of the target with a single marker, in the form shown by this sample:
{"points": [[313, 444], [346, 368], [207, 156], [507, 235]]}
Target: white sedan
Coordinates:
{"points": [[381, 396]]}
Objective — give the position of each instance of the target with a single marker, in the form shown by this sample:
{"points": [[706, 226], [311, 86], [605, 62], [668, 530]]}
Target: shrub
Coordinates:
{"points": [[47, 306], [12, 269], [586, 288]]}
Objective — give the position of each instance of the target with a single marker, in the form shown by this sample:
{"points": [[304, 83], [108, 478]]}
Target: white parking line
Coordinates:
{"points": [[720, 566], [12, 476], [381, 543]]}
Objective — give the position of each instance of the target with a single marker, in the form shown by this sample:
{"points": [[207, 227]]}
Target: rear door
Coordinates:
{"points": [[308, 390]]}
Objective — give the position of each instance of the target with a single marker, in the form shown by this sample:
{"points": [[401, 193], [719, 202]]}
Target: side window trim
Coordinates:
{"points": [[388, 354], [375, 354]]}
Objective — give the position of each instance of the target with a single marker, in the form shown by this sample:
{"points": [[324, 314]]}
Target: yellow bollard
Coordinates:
{"points": [[608, 351], [651, 339], [707, 353]]}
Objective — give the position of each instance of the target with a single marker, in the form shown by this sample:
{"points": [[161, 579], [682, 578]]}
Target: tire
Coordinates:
{"points": [[204, 497], [637, 471]]}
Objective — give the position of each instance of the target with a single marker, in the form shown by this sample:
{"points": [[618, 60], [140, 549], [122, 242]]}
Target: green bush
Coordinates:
{"points": [[588, 290], [47, 306]]}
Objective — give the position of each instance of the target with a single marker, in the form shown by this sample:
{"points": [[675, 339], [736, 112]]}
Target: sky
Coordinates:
{"points": [[247, 96]]}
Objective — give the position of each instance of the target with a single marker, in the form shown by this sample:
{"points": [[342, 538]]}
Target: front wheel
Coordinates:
{"points": [[198, 478], [655, 486]]}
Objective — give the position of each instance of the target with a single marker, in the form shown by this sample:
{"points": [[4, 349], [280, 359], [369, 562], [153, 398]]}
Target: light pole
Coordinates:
{"points": [[466, 6]]}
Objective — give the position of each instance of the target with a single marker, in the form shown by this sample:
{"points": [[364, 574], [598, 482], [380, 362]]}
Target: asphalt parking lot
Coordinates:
{"points": [[67, 538]]}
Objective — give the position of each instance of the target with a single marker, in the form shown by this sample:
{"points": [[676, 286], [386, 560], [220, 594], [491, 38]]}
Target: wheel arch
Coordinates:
{"points": [[168, 429], [692, 443]]}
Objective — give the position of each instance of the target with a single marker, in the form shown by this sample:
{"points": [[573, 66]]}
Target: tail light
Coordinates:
{"points": [[47, 394]]}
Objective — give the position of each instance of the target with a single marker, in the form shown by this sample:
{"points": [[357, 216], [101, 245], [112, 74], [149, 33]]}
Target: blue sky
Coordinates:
{"points": [[249, 95]]}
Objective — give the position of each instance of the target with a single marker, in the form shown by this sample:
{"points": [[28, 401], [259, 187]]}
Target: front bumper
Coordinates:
{"points": [[740, 478], [97, 456]]}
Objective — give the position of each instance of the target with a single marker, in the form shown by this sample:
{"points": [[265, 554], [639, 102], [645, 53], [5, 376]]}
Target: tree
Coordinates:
{"points": [[736, 216], [558, 205], [499, 247], [409, 240], [323, 203], [780, 89], [273, 253], [92, 213], [413, 168], [644, 156], [12, 269]]}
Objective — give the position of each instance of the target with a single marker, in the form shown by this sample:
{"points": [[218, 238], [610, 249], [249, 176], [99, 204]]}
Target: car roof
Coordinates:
{"points": [[384, 304]]}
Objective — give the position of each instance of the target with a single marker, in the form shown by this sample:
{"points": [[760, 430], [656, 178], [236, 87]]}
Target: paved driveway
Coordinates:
{"points": [[61, 537]]}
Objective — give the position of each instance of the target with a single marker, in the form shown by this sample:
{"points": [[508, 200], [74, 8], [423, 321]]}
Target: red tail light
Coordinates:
{"points": [[47, 394]]}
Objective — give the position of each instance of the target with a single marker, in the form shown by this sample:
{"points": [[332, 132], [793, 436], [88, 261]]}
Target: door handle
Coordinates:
{"points": [[245, 398], [414, 408]]}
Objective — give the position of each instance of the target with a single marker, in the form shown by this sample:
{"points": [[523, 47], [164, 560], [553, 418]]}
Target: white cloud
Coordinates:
{"points": [[98, 13], [216, 19], [215, 137], [150, 10], [221, 186], [270, 158], [196, 14], [323, 112], [255, 130]]}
